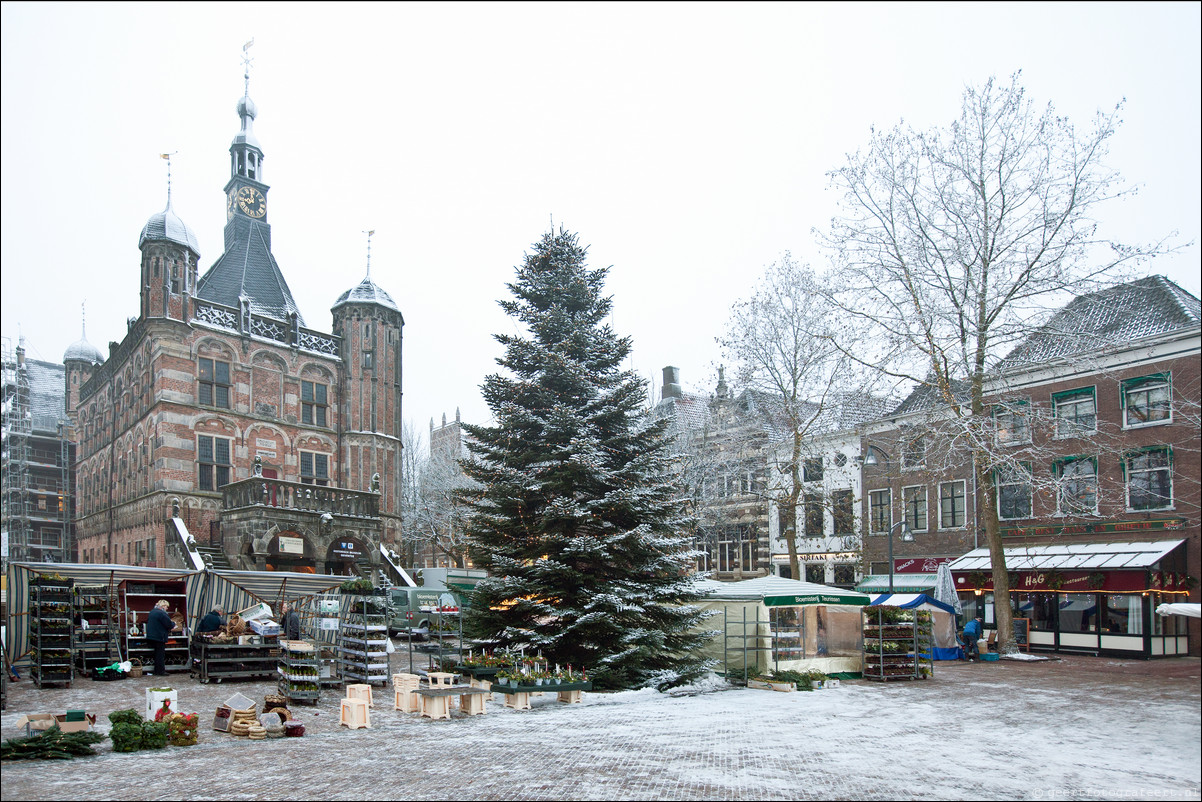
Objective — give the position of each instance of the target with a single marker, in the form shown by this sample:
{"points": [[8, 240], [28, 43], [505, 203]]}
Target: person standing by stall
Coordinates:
{"points": [[291, 622], [970, 636], [158, 630], [212, 620]]}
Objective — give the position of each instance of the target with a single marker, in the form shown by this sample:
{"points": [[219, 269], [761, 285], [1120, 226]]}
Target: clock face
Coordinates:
{"points": [[231, 203], [251, 202]]}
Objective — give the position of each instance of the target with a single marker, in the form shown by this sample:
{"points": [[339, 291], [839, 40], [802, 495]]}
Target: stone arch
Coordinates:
{"points": [[212, 346], [268, 375]]}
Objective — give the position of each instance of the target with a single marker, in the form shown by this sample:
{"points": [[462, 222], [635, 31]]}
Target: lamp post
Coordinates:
{"points": [[907, 537]]}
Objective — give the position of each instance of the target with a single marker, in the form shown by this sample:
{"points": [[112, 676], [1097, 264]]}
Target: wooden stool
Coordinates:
{"points": [[571, 697], [405, 679], [472, 704], [439, 679], [406, 700], [359, 692], [518, 701], [355, 714], [436, 707]]}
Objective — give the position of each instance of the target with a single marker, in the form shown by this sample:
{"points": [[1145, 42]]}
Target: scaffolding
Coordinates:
{"points": [[35, 462]]}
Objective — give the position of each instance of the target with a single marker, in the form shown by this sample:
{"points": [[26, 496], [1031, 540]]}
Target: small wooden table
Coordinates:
{"points": [[518, 696], [436, 702]]}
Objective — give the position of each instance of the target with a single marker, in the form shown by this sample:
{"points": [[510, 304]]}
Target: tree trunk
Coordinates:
{"points": [[790, 533], [987, 510]]}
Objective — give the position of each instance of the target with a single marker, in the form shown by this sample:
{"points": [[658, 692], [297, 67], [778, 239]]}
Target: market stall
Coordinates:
{"points": [[780, 624], [946, 645]]}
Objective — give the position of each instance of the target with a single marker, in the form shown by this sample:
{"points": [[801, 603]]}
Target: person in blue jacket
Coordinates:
{"points": [[970, 636], [158, 630]]}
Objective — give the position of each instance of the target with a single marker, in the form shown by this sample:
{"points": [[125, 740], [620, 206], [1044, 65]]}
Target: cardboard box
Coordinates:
{"points": [[264, 627], [40, 722], [223, 718], [154, 702], [259, 610]]}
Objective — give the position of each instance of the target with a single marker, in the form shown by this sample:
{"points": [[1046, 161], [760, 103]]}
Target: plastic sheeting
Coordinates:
{"points": [[946, 645], [1180, 608]]}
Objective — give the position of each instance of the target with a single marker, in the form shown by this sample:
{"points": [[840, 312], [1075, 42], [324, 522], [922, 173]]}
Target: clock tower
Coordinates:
{"points": [[246, 277]]}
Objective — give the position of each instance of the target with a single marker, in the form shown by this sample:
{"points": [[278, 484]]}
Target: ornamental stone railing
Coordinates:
{"points": [[261, 491], [286, 332]]}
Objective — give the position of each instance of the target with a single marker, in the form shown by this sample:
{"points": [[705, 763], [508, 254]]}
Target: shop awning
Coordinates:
{"points": [[912, 601], [775, 591], [902, 583], [1072, 556]]}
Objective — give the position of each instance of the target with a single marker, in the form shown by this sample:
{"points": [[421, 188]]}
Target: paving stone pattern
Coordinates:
{"points": [[1077, 728]]}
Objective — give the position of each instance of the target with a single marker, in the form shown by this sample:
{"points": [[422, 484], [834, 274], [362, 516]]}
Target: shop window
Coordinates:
{"points": [[1124, 614], [811, 469], [1014, 491], [315, 468], [1147, 400], [1149, 479], [816, 573], [1078, 486], [845, 574], [214, 387], [1012, 423], [951, 505], [212, 461], [1075, 412], [1038, 608], [914, 499], [313, 404], [843, 507], [880, 513], [814, 514]]}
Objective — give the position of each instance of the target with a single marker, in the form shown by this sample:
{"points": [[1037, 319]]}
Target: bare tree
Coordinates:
{"points": [[781, 342], [433, 512], [950, 243]]}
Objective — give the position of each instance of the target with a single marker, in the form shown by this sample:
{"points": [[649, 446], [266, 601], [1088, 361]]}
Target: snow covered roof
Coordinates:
{"points": [[902, 583], [775, 591], [1072, 556]]}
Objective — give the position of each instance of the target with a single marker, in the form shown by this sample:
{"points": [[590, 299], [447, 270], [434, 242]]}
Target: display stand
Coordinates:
{"points": [[98, 644], [217, 662], [137, 599], [897, 644], [363, 639], [52, 616], [300, 672]]}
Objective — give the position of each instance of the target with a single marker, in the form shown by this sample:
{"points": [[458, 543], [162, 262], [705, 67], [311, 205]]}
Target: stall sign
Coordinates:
{"points": [[919, 565], [291, 545]]}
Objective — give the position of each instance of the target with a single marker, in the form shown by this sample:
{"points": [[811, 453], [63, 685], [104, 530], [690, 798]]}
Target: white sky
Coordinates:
{"points": [[688, 144]]}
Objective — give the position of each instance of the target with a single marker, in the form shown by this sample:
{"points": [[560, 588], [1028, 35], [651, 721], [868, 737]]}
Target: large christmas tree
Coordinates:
{"points": [[577, 519]]}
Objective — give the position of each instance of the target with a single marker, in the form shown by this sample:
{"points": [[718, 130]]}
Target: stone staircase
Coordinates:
{"points": [[213, 556]]}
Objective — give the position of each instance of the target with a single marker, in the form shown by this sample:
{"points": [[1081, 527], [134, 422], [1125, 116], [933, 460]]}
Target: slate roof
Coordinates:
{"points": [[366, 292], [248, 268], [688, 413], [47, 389], [1109, 317], [166, 225], [926, 396]]}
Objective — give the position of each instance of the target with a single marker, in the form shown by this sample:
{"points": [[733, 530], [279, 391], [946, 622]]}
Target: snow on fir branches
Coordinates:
{"points": [[575, 516]]}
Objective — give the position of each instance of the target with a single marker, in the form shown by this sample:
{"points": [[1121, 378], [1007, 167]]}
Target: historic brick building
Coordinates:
{"points": [[281, 443], [1095, 421]]}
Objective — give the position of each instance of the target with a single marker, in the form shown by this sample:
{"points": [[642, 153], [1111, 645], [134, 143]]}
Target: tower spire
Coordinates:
{"points": [[168, 156], [246, 62], [369, 236]]}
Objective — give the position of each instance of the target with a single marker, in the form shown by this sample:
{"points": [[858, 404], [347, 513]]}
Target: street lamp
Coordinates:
{"points": [[907, 537]]}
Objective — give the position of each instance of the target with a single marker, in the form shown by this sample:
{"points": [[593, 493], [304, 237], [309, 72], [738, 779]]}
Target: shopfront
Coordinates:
{"points": [[1097, 598]]}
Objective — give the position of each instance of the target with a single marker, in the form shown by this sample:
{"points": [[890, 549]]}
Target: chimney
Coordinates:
{"points": [[672, 383]]}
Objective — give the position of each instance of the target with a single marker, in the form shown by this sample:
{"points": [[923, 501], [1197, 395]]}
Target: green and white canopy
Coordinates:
{"points": [[774, 591]]}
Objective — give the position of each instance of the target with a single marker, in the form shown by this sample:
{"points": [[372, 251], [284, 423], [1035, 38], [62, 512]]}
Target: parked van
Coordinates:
{"points": [[439, 598]]}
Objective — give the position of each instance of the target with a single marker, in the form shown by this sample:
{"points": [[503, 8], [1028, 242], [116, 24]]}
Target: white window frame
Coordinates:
{"points": [[1066, 429], [1025, 480], [1061, 507], [964, 504], [1143, 384], [905, 452], [872, 530], [1167, 468], [1016, 409], [926, 508]]}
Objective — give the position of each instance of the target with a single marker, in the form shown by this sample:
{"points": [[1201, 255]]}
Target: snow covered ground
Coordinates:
{"points": [[1079, 728]]}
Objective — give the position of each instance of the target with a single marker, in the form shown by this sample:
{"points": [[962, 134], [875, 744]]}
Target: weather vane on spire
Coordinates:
{"points": [[168, 156], [246, 62], [369, 235]]}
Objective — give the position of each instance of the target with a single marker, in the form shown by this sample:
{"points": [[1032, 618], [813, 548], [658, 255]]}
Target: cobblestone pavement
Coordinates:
{"points": [[1075, 728]]}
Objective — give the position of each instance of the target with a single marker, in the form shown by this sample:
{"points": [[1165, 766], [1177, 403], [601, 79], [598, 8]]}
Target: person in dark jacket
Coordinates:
{"points": [[291, 622], [158, 630], [212, 619]]}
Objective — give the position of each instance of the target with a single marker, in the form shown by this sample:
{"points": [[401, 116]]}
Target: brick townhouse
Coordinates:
{"points": [[1096, 425]]}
